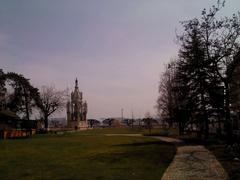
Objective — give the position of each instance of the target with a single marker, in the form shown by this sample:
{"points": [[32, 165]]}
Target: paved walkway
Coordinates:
{"points": [[190, 162], [193, 163], [168, 139]]}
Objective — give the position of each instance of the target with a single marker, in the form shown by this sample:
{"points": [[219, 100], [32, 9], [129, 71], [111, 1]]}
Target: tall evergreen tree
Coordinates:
{"points": [[2, 91], [207, 49], [166, 101], [195, 71], [24, 97]]}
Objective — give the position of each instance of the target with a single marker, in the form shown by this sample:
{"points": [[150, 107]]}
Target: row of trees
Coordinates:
{"points": [[19, 96], [198, 85]]}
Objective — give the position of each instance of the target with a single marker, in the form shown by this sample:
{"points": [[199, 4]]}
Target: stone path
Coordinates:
{"points": [[193, 163], [168, 139], [190, 162]]}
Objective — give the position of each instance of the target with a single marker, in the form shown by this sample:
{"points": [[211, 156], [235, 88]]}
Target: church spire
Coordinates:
{"points": [[76, 83]]}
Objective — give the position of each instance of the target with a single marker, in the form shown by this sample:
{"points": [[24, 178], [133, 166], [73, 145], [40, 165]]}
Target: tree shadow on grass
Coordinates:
{"points": [[154, 153], [144, 144]]}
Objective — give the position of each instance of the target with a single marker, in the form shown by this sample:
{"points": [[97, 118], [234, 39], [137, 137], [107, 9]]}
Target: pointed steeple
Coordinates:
{"points": [[76, 83]]}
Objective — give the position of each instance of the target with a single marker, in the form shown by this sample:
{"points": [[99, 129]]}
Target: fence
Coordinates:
{"points": [[13, 134]]}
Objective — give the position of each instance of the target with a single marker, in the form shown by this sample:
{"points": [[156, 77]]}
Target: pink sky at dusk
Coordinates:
{"points": [[116, 49]]}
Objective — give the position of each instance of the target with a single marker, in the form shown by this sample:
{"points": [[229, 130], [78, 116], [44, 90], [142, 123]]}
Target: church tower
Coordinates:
{"points": [[77, 110]]}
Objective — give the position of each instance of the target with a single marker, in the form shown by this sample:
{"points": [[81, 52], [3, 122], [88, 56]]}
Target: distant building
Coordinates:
{"points": [[57, 123], [11, 126], [151, 120], [112, 122], [92, 123], [54, 124], [77, 110]]}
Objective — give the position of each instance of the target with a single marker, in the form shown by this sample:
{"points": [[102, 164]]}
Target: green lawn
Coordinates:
{"points": [[84, 155], [135, 130]]}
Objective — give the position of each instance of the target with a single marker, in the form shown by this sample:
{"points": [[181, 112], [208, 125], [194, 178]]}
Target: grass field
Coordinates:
{"points": [[84, 155], [154, 131]]}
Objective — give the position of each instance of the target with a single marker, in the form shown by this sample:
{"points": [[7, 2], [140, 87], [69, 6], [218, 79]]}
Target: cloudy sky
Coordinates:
{"points": [[116, 48]]}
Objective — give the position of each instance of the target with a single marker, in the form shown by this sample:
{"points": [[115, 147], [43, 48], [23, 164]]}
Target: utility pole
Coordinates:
{"points": [[122, 114], [132, 119]]}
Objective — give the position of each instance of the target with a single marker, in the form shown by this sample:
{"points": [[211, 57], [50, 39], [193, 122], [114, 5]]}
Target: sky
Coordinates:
{"points": [[116, 48]]}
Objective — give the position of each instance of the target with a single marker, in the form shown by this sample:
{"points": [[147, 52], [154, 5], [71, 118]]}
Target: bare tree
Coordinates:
{"points": [[222, 43], [206, 63], [51, 101], [166, 102], [148, 120]]}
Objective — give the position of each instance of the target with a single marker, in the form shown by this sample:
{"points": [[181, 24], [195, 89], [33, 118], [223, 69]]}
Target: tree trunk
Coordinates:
{"points": [[180, 128], [219, 123], [149, 129], [26, 104], [228, 124], [206, 129], [204, 116], [27, 111], [46, 122]]}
